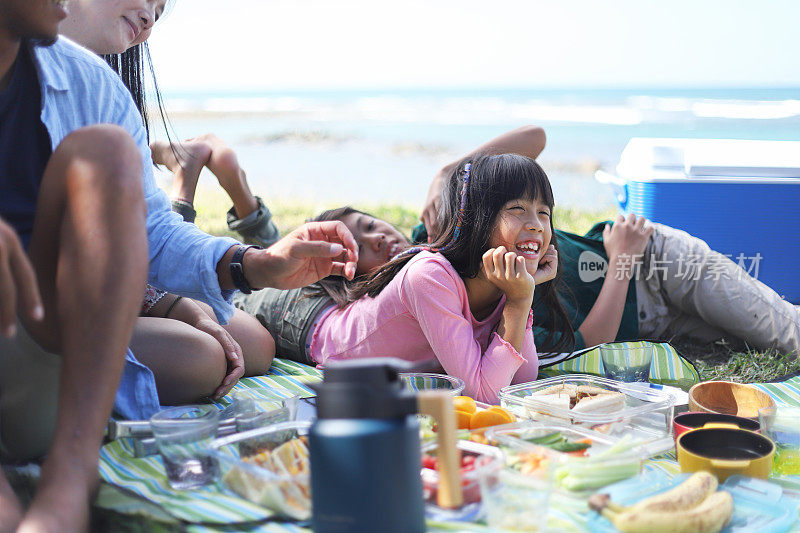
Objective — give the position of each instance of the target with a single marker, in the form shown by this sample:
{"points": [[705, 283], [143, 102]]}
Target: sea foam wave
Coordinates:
{"points": [[488, 110]]}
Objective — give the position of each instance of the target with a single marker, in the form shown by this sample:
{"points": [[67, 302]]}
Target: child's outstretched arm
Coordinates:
{"points": [[527, 140], [624, 242]]}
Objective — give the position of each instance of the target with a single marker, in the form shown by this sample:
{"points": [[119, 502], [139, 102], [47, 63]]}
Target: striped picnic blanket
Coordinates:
{"points": [[666, 368], [138, 486]]}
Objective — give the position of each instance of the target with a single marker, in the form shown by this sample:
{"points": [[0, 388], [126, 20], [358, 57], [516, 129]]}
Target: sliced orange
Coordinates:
{"points": [[505, 412], [486, 418], [464, 403], [462, 419]]}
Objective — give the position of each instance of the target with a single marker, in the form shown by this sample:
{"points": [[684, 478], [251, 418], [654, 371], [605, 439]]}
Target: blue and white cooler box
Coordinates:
{"points": [[742, 197]]}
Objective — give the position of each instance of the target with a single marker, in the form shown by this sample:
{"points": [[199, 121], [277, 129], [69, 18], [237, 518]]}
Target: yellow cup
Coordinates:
{"points": [[725, 451]]}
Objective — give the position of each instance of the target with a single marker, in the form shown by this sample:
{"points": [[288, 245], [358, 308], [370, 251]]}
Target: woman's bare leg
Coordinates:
{"points": [[188, 364], [257, 344]]}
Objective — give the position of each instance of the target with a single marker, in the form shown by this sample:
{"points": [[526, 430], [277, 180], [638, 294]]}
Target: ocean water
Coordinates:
{"points": [[384, 146]]}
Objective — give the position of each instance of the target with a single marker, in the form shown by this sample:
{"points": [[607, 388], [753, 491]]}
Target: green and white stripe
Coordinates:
{"points": [[666, 368], [215, 509]]}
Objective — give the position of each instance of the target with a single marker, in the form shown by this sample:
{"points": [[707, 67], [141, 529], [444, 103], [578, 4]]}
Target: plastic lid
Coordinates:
{"points": [[364, 388], [705, 158]]}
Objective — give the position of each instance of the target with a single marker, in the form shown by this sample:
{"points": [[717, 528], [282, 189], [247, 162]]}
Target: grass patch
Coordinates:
{"points": [[212, 203], [751, 366], [716, 361]]}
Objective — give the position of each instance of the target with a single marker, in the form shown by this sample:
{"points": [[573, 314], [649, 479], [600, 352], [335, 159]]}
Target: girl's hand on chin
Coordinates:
{"points": [[506, 270], [548, 266]]}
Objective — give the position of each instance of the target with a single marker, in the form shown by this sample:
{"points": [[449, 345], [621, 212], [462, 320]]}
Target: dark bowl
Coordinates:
{"points": [[694, 420]]}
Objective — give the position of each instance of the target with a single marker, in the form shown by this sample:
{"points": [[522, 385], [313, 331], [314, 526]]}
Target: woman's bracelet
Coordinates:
{"points": [[171, 306], [151, 298]]}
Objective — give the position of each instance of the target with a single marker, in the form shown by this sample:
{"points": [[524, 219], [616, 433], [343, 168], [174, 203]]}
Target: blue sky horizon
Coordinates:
{"points": [[295, 45]]}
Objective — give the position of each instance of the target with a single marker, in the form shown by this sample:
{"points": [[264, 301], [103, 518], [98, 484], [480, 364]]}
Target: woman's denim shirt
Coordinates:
{"points": [[79, 89]]}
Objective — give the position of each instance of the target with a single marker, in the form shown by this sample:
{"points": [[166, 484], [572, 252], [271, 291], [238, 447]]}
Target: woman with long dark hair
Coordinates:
{"points": [[191, 355]]}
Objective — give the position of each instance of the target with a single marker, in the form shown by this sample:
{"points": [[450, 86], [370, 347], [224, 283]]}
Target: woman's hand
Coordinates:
{"points": [[506, 270], [186, 310], [306, 255], [548, 266], [233, 353]]}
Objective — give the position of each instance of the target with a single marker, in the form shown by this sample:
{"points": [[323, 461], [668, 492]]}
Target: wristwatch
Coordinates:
{"points": [[237, 269]]}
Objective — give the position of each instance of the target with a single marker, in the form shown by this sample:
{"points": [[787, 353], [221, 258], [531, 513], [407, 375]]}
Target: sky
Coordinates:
{"points": [[243, 45]]}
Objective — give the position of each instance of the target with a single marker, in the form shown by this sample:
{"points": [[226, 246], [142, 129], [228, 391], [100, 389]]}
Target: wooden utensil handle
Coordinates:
{"points": [[439, 405]]}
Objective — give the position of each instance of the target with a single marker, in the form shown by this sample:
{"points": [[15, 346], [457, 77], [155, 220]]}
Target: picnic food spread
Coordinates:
{"points": [[694, 506], [577, 399], [470, 416], [509, 466], [288, 490]]}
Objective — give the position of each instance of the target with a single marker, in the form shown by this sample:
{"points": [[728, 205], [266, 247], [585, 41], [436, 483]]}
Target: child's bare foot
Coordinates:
{"points": [[185, 160]]}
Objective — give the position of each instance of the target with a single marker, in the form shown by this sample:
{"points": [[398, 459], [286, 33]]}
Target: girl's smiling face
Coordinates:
{"points": [[524, 227], [378, 241], [111, 26]]}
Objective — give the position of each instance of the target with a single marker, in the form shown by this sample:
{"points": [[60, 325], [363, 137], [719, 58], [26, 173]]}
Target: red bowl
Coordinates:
{"points": [[697, 419]]}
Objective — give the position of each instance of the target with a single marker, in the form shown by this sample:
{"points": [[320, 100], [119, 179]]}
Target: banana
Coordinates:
{"points": [[710, 516], [683, 497]]}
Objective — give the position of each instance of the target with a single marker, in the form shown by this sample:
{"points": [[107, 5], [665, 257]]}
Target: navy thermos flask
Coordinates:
{"points": [[365, 452]]}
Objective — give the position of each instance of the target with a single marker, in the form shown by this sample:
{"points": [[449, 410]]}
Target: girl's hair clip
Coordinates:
{"points": [[457, 231]]}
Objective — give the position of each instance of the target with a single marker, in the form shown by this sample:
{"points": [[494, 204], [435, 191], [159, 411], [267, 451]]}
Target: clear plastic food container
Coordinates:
{"points": [[518, 499], [644, 414], [476, 460], [584, 460], [574, 440], [269, 466]]}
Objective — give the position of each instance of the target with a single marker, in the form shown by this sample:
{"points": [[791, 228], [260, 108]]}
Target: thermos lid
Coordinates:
{"points": [[364, 388]]}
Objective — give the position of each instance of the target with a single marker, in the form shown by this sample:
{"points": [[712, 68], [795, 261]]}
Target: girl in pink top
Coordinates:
{"points": [[464, 300]]}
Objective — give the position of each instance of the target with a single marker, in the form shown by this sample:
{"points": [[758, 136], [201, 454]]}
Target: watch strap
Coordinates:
{"points": [[237, 269]]}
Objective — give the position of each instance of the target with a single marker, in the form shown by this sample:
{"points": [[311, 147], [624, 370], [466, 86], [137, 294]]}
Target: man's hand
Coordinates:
{"points": [[17, 281], [313, 251], [628, 236]]}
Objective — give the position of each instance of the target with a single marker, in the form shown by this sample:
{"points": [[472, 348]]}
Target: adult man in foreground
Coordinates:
{"points": [[76, 237]]}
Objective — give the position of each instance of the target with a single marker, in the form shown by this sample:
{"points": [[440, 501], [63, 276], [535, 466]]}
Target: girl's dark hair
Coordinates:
{"points": [[494, 181], [130, 65], [336, 287]]}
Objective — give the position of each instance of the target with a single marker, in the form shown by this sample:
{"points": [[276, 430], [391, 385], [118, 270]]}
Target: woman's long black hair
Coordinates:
{"points": [[131, 66], [494, 181]]}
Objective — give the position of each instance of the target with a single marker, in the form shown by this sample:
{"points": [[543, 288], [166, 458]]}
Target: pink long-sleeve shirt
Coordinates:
{"points": [[424, 314]]}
